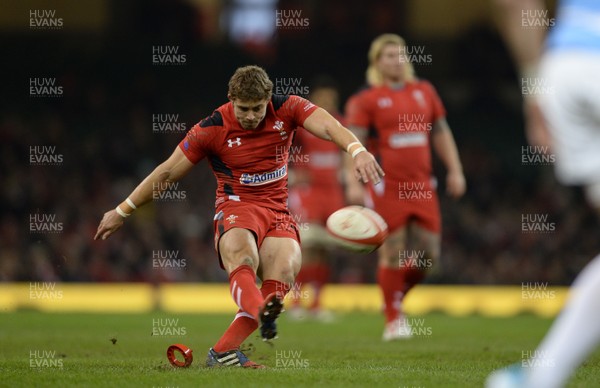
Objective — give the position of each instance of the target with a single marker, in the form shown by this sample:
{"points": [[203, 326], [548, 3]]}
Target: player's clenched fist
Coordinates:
{"points": [[111, 222]]}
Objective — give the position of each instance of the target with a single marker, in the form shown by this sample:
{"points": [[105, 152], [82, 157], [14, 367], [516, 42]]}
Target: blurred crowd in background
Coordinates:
{"points": [[102, 126]]}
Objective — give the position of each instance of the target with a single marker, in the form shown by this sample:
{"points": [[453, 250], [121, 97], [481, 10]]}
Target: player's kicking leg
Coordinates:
{"points": [[241, 258], [239, 255], [280, 261]]}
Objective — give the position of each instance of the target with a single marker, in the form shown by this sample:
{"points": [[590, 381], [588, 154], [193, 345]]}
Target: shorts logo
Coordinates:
{"points": [[237, 142], [262, 178], [231, 219]]}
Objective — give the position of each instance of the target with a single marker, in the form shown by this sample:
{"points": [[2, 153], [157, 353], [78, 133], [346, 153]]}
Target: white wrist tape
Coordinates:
{"points": [[130, 203], [358, 151], [352, 144], [121, 212]]}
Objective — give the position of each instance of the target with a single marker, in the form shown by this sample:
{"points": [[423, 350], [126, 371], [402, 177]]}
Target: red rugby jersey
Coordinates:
{"points": [[402, 120], [250, 165]]}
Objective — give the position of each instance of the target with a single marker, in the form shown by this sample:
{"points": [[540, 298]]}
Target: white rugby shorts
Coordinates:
{"points": [[572, 107]]}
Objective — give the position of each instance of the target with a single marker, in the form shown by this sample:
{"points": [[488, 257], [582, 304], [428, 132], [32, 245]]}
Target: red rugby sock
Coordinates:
{"points": [[243, 325], [244, 291], [303, 277], [240, 329], [270, 286], [321, 278], [390, 282], [411, 276]]}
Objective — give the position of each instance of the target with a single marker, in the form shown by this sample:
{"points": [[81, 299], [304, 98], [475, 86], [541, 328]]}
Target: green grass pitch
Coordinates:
{"points": [[447, 352]]}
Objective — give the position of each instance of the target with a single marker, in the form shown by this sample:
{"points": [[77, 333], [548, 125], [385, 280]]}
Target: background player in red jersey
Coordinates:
{"points": [[407, 118], [315, 193], [247, 143]]}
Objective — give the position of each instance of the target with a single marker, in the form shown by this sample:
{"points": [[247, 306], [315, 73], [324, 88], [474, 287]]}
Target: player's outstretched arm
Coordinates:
{"points": [[321, 124], [170, 170], [445, 147]]}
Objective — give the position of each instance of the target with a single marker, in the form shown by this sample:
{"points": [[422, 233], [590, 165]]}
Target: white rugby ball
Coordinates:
{"points": [[357, 228]]}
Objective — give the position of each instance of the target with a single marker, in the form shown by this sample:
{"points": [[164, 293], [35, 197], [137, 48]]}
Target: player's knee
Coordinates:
{"points": [[248, 261], [237, 249], [289, 272], [231, 264], [234, 256], [425, 258], [389, 255], [386, 257], [288, 277], [283, 272], [387, 260]]}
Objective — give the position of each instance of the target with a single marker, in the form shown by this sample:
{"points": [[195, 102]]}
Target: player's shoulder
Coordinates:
{"points": [[277, 100], [208, 128], [287, 104], [289, 101], [219, 117], [214, 120]]}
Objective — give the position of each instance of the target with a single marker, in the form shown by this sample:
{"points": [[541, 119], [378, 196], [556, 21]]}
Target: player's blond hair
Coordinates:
{"points": [[250, 83], [374, 77]]}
